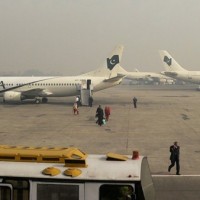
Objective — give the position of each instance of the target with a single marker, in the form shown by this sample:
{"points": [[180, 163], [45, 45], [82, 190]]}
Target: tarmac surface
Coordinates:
{"points": [[164, 114]]}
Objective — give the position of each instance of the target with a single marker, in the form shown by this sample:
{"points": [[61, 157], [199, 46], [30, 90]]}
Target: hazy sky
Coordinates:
{"points": [[74, 36]]}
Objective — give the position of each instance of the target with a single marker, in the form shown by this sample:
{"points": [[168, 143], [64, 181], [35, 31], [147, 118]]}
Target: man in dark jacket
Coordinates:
{"points": [[100, 115], [90, 101], [174, 157], [135, 102]]}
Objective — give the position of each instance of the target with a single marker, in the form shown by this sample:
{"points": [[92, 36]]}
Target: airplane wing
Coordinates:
{"points": [[36, 92], [115, 78]]}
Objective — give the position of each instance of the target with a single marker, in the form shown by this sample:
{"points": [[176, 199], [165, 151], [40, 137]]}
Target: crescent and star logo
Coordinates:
{"points": [[112, 62], [167, 60]]}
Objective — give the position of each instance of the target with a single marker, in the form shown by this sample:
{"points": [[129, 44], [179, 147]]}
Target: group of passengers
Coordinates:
{"points": [[99, 112], [100, 115]]}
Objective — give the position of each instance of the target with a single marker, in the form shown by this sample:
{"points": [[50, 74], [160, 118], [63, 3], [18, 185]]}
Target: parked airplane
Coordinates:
{"points": [[16, 89], [174, 70], [149, 76]]}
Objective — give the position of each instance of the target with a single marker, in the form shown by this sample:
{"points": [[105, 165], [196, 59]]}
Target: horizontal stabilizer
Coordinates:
{"points": [[114, 79]]}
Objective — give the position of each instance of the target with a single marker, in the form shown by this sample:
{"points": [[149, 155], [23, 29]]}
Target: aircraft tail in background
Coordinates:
{"points": [[111, 66], [169, 62]]}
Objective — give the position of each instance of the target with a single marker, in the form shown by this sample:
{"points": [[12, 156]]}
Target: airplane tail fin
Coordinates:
{"points": [[111, 66], [169, 62], [136, 70]]}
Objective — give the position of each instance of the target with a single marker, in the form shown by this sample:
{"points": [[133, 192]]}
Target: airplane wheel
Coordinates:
{"points": [[37, 101], [44, 100]]}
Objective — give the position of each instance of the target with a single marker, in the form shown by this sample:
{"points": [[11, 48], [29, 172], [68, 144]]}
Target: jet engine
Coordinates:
{"points": [[12, 96]]}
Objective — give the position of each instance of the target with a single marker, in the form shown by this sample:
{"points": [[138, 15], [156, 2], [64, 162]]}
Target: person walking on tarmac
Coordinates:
{"points": [[78, 101], [107, 112], [99, 115], [75, 109], [174, 157], [135, 102], [90, 101]]}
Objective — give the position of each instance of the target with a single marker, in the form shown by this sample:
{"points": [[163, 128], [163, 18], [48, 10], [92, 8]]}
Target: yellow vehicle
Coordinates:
{"points": [[69, 174]]}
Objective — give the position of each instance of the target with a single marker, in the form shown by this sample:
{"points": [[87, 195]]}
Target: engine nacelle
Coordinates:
{"points": [[12, 96]]}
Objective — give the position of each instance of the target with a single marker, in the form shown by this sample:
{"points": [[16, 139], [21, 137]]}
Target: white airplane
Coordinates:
{"points": [[174, 70], [149, 76], [17, 89]]}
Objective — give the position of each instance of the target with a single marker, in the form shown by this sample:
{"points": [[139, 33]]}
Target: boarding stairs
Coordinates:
{"points": [[85, 92]]}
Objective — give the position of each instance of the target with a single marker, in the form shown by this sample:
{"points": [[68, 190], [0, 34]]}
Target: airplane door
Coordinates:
{"points": [[83, 84], [88, 83]]}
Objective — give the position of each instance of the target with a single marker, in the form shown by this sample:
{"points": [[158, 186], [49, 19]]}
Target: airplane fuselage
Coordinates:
{"points": [[187, 76], [54, 86], [16, 89], [150, 76]]}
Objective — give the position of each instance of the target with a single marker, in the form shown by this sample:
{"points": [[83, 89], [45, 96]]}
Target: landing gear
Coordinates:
{"points": [[41, 100], [198, 89], [44, 100], [37, 101]]}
